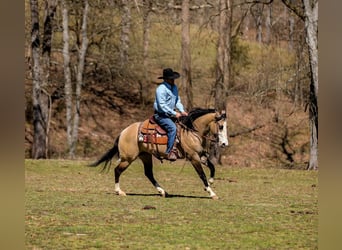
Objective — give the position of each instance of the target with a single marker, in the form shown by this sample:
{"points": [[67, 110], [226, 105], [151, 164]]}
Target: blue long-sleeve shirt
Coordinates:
{"points": [[167, 99]]}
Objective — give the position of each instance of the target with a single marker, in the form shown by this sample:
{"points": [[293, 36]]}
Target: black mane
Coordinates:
{"points": [[193, 115]]}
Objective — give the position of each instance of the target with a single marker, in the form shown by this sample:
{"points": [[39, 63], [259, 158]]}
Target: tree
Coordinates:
{"points": [[67, 73], [82, 50], [125, 29], [311, 24], [147, 8], [257, 14], [186, 83], [308, 12], [223, 55], [41, 76], [73, 106], [223, 64]]}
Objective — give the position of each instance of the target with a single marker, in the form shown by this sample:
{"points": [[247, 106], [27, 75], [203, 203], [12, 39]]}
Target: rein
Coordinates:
{"points": [[209, 138]]}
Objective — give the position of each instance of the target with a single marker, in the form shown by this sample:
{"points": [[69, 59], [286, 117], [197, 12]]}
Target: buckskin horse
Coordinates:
{"points": [[193, 131]]}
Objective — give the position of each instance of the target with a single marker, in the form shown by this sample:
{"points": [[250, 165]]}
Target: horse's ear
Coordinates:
{"points": [[222, 116]]}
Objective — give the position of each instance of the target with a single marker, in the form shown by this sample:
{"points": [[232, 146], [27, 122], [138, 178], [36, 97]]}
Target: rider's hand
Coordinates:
{"points": [[184, 113], [178, 114]]}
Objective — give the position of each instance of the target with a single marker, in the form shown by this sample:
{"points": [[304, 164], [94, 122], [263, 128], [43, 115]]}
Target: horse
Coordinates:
{"points": [[193, 130]]}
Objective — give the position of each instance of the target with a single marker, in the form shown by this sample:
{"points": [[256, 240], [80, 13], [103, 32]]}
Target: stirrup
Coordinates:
{"points": [[172, 156]]}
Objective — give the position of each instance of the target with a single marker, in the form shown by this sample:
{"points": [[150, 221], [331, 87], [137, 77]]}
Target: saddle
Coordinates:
{"points": [[151, 132]]}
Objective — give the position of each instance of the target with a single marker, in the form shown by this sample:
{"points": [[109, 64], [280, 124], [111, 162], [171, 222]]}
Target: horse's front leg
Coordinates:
{"points": [[211, 167], [205, 161], [196, 163]]}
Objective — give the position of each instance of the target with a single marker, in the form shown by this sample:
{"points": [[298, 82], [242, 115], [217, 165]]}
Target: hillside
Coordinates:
{"points": [[262, 134], [267, 122]]}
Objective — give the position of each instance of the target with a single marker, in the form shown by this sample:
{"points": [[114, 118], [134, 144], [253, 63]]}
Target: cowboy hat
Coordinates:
{"points": [[168, 73]]}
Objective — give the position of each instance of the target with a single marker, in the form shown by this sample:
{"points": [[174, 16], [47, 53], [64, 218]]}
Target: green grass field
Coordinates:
{"points": [[70, 206]]}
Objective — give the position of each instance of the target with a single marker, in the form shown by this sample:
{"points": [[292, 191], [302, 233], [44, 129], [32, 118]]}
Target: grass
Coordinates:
{"points": [[69, 206]]}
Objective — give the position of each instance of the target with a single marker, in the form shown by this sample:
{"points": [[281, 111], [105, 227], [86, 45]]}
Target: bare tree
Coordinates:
{"points": [[307, 10], [147, 8], [257, 14], [125, 29], [41, 76], [311, 24], [223, 66], [186, 84], [291, 31], [67, 73], [223, 54], [268, 24], [73, 106]]}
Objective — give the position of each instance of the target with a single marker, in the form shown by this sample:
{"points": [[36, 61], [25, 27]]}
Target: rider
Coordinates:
{"points": [[167, 108]]}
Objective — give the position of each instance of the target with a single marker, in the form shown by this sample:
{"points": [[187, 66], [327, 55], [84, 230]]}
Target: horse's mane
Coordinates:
{"points": [[193, 115]]}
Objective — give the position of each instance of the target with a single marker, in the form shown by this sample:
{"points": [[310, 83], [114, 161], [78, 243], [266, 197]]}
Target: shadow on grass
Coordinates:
{"points": [[171, 196]]}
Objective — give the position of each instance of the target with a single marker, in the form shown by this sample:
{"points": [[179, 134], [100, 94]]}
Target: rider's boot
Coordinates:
{"points": [[172, 156], [174, 153]]}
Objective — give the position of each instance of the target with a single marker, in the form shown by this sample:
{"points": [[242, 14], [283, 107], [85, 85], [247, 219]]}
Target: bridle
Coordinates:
{"points": [[215, 137], [212, 137]]}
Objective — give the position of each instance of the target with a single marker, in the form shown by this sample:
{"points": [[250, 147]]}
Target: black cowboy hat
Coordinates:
{"points": [[168, 73]]}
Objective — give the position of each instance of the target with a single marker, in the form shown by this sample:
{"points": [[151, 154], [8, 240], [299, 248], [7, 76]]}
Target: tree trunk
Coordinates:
{"points": [[73, 106], [268, 24], [311, 24], [291, 31], [186, 86], [309, 13], [67, 74], [173, 11], [258, 22], [79, 79], [223, 55], [50, 11], [125, 29], [223, 66], [40, 73], [147, 8]]}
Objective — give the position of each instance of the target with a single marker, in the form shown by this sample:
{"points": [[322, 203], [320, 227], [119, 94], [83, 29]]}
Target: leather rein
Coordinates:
{"points": [[213, 138]]}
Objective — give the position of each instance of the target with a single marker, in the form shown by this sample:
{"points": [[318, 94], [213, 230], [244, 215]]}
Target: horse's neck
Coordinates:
{"points": [[201, 124]]}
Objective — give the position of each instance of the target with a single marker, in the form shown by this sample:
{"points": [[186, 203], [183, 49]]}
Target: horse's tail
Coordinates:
{"points": [[107, 157]]}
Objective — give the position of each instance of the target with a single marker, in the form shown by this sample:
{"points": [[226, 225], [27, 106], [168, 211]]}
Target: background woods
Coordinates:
{"points": [[92, 68]]}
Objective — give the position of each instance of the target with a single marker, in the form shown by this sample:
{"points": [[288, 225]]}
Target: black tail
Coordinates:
{"points": [[107, 157]]}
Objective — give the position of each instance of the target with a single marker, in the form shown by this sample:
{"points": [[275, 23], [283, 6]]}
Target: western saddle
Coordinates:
{"points": [[151, 132]]}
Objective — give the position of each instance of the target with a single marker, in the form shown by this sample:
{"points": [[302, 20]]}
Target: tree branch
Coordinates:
{"points": [[299, 11], [246, 131]]}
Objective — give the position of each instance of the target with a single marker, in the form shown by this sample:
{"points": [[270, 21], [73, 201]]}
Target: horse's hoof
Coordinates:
{"points": [[121, 193], [215, 197], [164, 194], [211, 180], [161, 192]]}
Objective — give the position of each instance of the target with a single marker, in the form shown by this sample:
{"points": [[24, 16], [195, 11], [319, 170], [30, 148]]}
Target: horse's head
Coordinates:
{"points": [[208, 121], [219, 128]]}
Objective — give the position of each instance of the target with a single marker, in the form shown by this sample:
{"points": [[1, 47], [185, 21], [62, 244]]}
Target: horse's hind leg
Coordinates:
{"points": [[148, 167], [123, 165]]}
